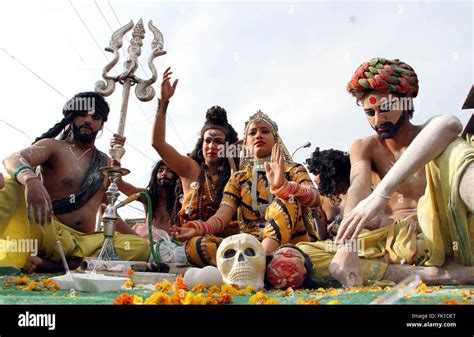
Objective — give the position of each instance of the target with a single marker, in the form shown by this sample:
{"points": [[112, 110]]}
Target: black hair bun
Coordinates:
{"points": [[217, 116]]}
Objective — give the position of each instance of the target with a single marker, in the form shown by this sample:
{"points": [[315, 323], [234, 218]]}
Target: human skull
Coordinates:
{"points": [[241, 261]]}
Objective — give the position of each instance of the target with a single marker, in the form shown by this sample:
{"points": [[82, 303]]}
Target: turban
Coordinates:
{"points": [[392, 76]]}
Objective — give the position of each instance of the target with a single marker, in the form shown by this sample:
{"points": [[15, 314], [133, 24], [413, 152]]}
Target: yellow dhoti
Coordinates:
{"points": [[445, 228], [16, 234]]}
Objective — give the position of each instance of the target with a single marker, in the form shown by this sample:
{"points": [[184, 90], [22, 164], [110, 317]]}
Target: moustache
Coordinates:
{"points": [[386, 125]]}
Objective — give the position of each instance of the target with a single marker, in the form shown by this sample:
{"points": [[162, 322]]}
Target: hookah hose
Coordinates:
{"points": [[150, 225]]}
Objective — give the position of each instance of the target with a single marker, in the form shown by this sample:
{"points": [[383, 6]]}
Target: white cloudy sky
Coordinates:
{"points": [[290, 59]]}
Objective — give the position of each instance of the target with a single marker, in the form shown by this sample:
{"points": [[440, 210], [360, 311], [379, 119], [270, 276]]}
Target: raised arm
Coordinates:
{"points": [[20, 166], [182, 165]]}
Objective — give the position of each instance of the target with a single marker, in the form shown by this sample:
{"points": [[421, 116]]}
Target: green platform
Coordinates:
{"points": [[11, 294]]}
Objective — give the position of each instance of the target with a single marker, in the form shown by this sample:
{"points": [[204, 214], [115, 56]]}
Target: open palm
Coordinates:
{"points": [[275, 169], [167, 90]]}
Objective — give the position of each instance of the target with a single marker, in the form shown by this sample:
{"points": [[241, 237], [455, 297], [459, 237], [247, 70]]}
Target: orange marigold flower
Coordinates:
{"points": [[20, 280], [131, 272], [31, 286], [179, 283], [199, 288], [124, 298], [224, 299], [307, 301], [50, 284]]}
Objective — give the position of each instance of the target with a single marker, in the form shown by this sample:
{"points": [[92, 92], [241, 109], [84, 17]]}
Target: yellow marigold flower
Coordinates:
{"points": [[249, 289], [128, 284], [307, 301], [194, 299], [334, 302], [137, 299], [261, 298], [213, 290], [158, 298], [31, 286], [230, 289], [423, 288], [164, 286]]}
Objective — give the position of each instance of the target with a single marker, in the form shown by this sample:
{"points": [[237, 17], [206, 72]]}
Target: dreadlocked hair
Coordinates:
{"points": [[216, 116], [178, 197], [334, 168], [154, 188], [80, 103]]}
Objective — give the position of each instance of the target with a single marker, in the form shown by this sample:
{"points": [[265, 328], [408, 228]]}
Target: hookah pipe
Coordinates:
{"points": [[134, 197]]}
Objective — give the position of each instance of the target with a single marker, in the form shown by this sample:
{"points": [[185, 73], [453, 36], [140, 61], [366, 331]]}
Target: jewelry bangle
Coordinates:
{"points": [[21, 168]]}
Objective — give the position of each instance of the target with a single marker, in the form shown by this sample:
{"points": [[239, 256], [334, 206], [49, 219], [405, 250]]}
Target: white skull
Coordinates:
{"points": [[241, 261]]}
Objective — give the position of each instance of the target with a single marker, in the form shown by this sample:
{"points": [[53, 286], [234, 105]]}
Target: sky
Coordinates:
{"points": [[292, 60]]}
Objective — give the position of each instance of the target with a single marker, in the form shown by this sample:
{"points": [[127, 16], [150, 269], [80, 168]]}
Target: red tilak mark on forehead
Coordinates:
{"points": [[372, 100]]}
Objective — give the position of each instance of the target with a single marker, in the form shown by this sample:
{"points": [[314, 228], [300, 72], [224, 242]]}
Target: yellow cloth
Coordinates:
{"points": [[397, 243], [442, 214], [14, 226], [443, 224]]}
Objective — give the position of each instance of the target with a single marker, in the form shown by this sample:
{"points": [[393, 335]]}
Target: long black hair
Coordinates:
{"points": [[216, 116], [78, 104], [154, 187]]}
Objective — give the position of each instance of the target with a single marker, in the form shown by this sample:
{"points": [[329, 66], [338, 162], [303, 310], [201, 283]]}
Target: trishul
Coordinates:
{"points": [[127, 78], [144, 92]]}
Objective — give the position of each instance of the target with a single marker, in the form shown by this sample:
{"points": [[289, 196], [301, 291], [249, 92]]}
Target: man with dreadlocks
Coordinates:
{"points": [[425, 175], [55, 191], [271, 194], [162, 190]]}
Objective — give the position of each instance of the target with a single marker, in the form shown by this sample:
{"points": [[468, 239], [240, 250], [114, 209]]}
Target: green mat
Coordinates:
{"points": [[12, 294]]}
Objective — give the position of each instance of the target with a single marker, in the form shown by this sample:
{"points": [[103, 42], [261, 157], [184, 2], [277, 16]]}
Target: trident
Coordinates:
{"points": [[144, 92]]}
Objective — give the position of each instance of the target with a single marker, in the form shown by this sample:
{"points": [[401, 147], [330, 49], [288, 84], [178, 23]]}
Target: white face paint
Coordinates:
{"points": [[241, 261]]}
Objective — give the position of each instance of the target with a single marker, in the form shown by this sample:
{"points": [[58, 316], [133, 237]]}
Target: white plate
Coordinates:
{"points": [[98, 282], [64, 281]]}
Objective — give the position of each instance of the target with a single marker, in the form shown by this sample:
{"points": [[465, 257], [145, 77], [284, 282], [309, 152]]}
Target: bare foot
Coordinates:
{"points": [[345, 267], [450, 274], [31, 264]]}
